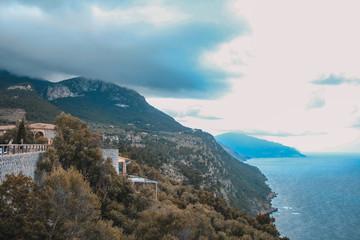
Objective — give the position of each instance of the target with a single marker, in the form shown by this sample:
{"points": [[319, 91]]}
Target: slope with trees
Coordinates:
{"points": [[78, 195]]}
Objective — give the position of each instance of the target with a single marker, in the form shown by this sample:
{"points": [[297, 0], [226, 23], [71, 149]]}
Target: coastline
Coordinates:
{"points": [[270, 197]]}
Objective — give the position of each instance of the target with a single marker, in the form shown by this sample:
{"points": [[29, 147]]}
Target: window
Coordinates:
{"points": [[121, 168]]}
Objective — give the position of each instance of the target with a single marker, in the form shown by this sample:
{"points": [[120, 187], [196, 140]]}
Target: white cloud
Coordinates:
{"points": [[17, 11], [356, 123], [288, 45], [292, 43], [157, 15], [316, 101], [234, 56]]}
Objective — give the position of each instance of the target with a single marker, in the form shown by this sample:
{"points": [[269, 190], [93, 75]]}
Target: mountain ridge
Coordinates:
{"points": [[99, 101], [253, 147]]}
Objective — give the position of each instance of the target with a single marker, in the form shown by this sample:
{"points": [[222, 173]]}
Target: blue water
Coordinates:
{"points": [[318, 196]]}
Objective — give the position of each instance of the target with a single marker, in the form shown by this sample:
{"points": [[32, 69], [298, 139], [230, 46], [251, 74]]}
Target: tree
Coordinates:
{"points": [[75, 208], [47, 162], [21, 131], [77, 146], [23, 209]]}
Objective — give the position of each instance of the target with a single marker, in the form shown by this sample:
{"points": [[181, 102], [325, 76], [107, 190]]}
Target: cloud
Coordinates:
{"points": [[192, 112], [356, 123], [154, 47], [315, 102], [333, 79]]}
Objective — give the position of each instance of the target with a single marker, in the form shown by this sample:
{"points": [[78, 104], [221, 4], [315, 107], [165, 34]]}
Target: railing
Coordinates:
{"points": [[11, 149]]}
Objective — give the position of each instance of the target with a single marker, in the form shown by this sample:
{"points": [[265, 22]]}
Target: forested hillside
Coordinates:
{"points": [[78, 195], [197, 160]]}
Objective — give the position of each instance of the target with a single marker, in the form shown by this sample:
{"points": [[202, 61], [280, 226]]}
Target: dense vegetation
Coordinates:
{"points": [[78, 195], [195, 159]]}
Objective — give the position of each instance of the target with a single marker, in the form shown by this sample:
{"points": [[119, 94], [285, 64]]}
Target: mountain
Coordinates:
{"points": [[233, 153], [8, 79], [255, 147], [102, 102], [147, 135], [20, 95]]}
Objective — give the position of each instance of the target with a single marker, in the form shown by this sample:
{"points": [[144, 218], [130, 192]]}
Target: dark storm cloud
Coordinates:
{"points": [[333, 79], [40, 38]]}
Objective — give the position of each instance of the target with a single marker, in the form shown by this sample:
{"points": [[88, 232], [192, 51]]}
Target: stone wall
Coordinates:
{"points": [[114, 155], [26, 162]]}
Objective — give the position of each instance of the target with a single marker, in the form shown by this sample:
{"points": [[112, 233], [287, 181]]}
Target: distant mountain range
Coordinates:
{"points": [[142, 132], [251, 147], [234, 153]]}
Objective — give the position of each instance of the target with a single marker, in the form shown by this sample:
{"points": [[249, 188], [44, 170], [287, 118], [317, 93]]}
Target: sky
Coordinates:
{"points": [[281, 70]]}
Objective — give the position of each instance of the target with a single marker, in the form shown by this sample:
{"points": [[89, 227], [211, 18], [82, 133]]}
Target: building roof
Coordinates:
{"points": [[140, 179], [45, 126], [8, 127]]}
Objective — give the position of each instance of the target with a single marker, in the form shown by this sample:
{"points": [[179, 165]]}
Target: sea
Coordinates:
{"points": [[318, 197]]}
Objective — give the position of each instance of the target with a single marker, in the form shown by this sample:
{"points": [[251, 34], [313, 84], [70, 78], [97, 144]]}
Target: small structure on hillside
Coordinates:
{"points": [[122, 170], [122, 164], [43, 130], [136, 179], [40, 130]]}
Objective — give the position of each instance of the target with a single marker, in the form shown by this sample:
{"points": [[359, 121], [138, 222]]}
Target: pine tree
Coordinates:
{"points": [[21, 132]]}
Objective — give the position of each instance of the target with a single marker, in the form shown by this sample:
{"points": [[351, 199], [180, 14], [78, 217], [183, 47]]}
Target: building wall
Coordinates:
{"points": [[50, 134], [114, 155], [26, 162]]}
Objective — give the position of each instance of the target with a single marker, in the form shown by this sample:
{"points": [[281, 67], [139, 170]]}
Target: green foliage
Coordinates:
{"points": [[200, 162], [77, 146], [186, 213], [21, 131], [75, 208], [23, 209], [48, 162]]}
